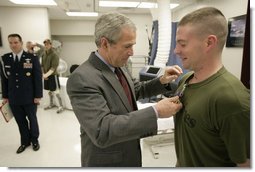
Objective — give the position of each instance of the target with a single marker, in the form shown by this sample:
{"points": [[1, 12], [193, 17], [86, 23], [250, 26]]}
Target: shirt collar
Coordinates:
{"points": [[19, 54], [101, 58]]}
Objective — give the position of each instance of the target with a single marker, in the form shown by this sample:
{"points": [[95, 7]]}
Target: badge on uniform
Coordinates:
{"points": [[27, 65], [27, 60], [28, 73]]}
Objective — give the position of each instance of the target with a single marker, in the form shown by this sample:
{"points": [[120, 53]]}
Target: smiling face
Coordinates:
{"points": [[190, 47], [117, 54], [200, 39], [15, 44]]}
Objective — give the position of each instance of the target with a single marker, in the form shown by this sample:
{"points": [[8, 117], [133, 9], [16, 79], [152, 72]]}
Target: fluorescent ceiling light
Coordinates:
{"points": [[82, 14], [118, 4], [172, 6], [132, 4], [34, 2], [148, 5], [154, 5]]}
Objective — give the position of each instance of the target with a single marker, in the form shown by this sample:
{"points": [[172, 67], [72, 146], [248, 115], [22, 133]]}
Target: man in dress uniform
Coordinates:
{"points": [[21, 78]]}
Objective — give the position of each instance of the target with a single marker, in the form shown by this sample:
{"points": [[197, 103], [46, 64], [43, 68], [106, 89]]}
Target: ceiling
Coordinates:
{"points": [[58, 12]]}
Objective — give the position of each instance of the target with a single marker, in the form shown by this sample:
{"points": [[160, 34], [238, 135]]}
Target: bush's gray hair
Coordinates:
{"points": [[109, 25]]}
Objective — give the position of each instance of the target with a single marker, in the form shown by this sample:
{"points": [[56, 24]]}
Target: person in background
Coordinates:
{"points": [[103, 97], [213, 127], [30, 47], [35, 48], [21, 79], [50, 62]]}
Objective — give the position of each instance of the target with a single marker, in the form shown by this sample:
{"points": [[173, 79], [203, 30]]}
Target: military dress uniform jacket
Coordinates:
{"points": [[21, 82]]}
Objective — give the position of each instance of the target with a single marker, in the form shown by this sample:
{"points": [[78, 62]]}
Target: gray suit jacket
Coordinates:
{"points": [[110, 129]]}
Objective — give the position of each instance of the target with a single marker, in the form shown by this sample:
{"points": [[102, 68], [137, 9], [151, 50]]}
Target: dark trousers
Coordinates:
{"points": [[25, 116]]}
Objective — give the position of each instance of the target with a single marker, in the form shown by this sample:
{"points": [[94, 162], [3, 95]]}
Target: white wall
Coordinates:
{"points": [[231, 57], [31, 23], [78, 37], [75, 49], [72, 27], [141, 21]]}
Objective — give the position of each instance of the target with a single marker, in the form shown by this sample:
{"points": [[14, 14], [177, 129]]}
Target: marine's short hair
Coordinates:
{"points": [[208, 20]]}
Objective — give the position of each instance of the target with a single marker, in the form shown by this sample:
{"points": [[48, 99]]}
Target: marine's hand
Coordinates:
{"points": [[171, 73], [168, 107]]}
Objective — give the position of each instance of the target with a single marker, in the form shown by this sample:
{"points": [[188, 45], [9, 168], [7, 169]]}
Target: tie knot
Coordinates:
{"points": [[118, 72], [16, 58]]}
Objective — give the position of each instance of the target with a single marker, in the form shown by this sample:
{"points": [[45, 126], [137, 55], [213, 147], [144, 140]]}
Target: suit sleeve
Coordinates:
{"points": [[103, 116], [152, 87]]}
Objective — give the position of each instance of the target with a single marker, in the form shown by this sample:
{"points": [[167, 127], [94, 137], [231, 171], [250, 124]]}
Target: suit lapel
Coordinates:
{"points": [[114, 82], [112, 79], [129, 80]]}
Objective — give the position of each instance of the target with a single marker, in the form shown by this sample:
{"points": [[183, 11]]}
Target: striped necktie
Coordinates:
{"points": [[125, 86]]}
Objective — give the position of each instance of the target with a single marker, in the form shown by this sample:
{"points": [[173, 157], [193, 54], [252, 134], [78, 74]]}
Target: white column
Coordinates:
{"points": [[164, 37]]}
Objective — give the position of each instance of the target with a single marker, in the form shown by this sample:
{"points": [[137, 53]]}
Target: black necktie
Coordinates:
{"points": [[16, 59], [125, 86]]}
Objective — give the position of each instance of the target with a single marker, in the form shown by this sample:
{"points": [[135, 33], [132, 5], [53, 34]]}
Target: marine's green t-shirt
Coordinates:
{"points": [[213, 127]]}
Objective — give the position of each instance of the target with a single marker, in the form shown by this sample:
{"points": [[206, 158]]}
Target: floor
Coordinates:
{"points": [[60, 144]]}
